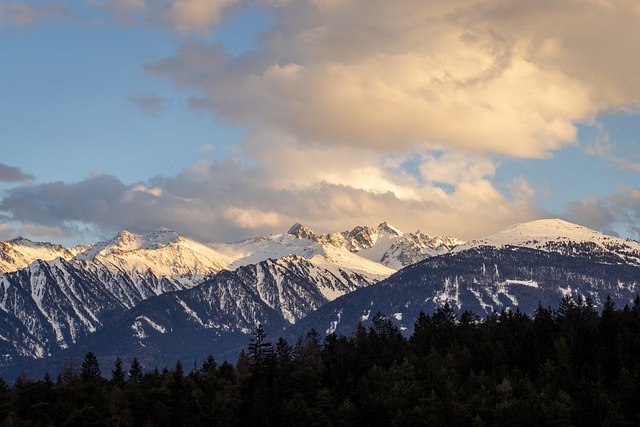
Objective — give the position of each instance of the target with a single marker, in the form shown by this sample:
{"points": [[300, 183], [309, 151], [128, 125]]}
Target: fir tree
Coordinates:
{"points": [[135, 372], [90, 370], [118, 374]]}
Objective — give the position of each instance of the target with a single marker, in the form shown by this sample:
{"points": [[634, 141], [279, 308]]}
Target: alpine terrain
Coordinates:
{"points": [[54, 298], [520, 268]]}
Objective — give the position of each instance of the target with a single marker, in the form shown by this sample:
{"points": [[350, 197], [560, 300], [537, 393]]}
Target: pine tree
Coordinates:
{"points": [[135, 372], [259, 349], [90, 370], [118, 375]]}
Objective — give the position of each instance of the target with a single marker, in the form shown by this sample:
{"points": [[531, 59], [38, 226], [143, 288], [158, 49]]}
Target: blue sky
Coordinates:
{"points": [[229, 119]]}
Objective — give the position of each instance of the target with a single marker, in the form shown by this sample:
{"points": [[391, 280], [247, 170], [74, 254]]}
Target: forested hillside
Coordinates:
{"points": [[571, 366]]}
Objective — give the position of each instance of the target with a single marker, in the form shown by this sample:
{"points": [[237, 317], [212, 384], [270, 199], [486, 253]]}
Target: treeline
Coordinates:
{"points": [[571, 366]]}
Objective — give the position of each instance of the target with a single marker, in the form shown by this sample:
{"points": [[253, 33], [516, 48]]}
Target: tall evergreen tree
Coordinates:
{"points": [[118, 375], [135, 372], [90, 369], [260, 350]]}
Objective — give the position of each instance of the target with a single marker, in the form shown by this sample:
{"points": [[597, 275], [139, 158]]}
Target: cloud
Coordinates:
{"points": [[22, 14], [13, 174], [617, 213], [196, 15], [511, 78], [235, 199], [182, 16], [591, 213], [603, 148], [6, 232], [150, 103], [206, 148]]}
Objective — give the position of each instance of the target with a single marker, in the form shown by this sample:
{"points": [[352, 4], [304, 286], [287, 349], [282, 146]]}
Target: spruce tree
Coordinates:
{"points": [[90, 370], [135, 372], [118, 375]]}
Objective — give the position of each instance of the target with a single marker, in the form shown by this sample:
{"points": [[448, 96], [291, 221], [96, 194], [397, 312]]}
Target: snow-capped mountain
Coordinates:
{"points": [[217, 316], [275, 246], [384, 244], [20, 252], [556, 235], [65, 294], [516, 269], [161, 296]]}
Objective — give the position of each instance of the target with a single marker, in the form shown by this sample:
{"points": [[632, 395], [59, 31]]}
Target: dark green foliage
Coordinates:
{"points": [[90, 370], [135, 372], [118, 375], [567, 367]]}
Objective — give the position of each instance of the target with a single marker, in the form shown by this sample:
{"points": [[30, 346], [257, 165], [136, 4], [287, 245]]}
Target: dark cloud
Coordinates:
{"points": [[13, 174], [592, 214], [617, 214]]}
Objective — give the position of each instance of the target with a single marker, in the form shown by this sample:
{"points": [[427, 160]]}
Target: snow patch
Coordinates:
{"points": [[334, 324], [530, 283], [138, 327]]}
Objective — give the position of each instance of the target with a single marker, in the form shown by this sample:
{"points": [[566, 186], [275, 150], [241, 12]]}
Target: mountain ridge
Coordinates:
{"points": [[77, 291], [292, 281]]}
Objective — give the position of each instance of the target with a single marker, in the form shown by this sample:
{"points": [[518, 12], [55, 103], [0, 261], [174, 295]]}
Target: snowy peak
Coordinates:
{"points": [[556, 235], [157, 239], [385, 227], [360, 237], [126, 241], [18, 253], [301, 232], [383, 244], [161, 237]]}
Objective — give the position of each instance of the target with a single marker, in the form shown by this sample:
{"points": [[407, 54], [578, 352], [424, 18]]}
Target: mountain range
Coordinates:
{"points": [[163, 297]]}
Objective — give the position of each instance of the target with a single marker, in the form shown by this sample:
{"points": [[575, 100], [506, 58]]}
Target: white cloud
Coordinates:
{"points": [[509, 77]]}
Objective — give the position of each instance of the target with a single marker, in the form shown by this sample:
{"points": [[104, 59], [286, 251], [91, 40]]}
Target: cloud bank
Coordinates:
{"points": [[230, 200], [359, 111], [510, 78]]}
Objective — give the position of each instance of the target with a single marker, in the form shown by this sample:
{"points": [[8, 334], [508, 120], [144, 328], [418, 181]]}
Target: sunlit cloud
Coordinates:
{"points": [[230, 200], [500, 77], [182, 16], [361, 111]]}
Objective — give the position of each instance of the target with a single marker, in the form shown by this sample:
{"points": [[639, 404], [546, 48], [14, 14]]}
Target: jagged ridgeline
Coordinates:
{"points": [[162, 297], [53, 298]]}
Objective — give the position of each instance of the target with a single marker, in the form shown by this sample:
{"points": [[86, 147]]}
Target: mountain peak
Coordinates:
{"points": [[22, 241], [385, 226], [162, 236], [551, 229], [125, 239], [301, 232], [557, 235]]}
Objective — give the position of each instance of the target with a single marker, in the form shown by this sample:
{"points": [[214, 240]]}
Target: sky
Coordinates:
{"points": [[229, 119]]}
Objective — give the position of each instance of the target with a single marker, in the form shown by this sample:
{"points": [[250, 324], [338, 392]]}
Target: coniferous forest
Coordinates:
{"points": [[570, 366]]}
